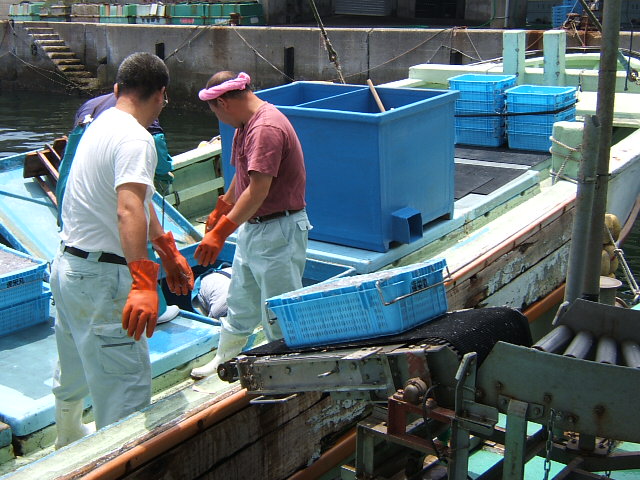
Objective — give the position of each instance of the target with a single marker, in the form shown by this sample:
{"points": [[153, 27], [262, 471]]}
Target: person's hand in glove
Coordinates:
{"points": [[141, 309], [213, 241], [222, 208], [179, 273]]}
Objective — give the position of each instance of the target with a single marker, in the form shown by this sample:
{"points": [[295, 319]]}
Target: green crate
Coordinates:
{"points": [[244, 9], [26, 18], [130, 10], [188, 20], [189, 10], [117, 19], [250, 21], [215, 10], [34, 8]]}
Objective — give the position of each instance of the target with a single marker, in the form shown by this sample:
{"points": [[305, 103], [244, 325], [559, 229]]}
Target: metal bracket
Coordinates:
{"points": [[264, 399]]}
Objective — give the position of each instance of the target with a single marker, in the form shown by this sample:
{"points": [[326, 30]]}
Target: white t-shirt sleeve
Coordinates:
{"points": [[135, 162]]}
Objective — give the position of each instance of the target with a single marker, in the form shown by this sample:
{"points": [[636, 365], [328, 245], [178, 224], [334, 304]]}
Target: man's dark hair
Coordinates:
{"points": [[222, 77], [143, 74]]}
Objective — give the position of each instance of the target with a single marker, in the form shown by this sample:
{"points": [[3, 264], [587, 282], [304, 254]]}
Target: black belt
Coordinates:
{"points": [[271, 216], [104, 256]]}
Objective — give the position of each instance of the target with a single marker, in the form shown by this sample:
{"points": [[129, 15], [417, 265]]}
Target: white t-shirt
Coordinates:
{"points": [[114, 150]]}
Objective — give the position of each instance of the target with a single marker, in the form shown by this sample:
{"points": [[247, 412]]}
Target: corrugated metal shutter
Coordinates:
{"points": [[363, 7]]}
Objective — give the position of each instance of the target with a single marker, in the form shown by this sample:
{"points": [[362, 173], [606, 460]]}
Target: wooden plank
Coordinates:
{"points": [[262, 441], [527, 252]]}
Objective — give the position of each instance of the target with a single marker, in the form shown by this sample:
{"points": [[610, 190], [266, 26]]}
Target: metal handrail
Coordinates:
{"points": [[445, 279]]}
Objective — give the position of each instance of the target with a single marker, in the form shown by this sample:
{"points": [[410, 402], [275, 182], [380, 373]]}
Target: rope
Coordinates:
{"points": [[560, 173], [631, 281], [261, 56], [333, 55]]}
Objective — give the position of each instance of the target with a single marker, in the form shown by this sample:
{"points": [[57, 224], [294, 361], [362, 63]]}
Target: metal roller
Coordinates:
{"points": [[580, 346], [556, 340], [631, 354], [607, 351]]}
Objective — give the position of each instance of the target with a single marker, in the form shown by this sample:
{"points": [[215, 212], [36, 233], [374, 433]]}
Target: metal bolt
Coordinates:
{"points": [[499, 385], [287, 370]]}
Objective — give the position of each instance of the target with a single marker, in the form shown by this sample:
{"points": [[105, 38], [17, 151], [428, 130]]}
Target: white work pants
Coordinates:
{"points": [[95, 355], [269, 261]]}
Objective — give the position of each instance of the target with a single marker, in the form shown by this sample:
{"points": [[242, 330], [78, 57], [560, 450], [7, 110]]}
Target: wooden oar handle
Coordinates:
{"points": [[375, 95]]}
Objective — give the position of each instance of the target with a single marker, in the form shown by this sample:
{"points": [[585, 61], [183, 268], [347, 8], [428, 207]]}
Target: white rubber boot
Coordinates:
{"points": [[229, 346], [69, 423], [169, 314]]}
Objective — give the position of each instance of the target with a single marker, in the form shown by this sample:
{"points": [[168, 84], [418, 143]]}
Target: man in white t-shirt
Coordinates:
{"points": [[103, 283]]}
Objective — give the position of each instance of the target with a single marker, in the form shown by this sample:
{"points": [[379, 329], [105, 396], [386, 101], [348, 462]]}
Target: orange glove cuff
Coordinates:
{"points": [[222, 206], [144, 274], [225, 227], [165, 246]]}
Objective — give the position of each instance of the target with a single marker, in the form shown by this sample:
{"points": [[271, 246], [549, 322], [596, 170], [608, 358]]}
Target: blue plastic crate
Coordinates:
{"points": [[481, 137], [488, 123], [535, 98], [475, 87], [21, 276], [364, 306], [523, 141], [373, 177], [27, 313], [534, 124], [497, 104]]}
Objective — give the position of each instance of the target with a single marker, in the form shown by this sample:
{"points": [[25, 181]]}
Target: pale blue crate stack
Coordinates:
{"points": [[24, 297], [532, 132], [477, 110], [362, 306], [560, 12]]}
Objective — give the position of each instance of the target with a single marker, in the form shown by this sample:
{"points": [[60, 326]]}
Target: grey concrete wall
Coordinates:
{"points": [[194, 53]]}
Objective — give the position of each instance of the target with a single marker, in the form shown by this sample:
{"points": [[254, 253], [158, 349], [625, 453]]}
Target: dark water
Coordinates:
{"points": [[28, 120]]}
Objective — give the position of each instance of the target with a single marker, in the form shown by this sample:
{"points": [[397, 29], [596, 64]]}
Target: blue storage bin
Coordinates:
{"points": [[496, 105], [363, 306], [538, 98], [539, 123], [483, 131], [478, 87], [532, 132], [21, 276], [26, 313], [372, 178]]}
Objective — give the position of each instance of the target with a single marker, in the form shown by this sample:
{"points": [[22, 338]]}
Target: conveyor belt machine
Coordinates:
{"points": [[439, 390]]}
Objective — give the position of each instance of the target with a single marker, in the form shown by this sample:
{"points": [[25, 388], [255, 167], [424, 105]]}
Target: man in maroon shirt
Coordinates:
{"points": [[265, 201]]}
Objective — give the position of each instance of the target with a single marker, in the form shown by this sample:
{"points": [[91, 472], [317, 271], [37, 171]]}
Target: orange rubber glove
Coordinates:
{"points": [[141, 309], [179, 273], [222, 208], [212, 243]]}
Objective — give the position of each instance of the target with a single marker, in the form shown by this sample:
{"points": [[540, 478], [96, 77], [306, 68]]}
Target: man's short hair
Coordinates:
{"points": [[143, 74], [222, 77]]}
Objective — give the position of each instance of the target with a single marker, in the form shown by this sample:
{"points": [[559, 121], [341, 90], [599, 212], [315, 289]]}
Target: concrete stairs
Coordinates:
{"points": [[66, 62]]}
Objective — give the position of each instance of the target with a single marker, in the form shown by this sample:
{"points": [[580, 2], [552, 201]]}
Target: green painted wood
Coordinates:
{"points": [[513, 53], [555, 46]]}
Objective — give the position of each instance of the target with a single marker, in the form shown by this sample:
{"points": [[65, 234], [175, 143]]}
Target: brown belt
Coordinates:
{"points": [[272, 216]]}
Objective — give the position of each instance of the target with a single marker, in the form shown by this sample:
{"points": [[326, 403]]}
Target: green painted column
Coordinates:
{"points": [[555, 46], [514, 46]]}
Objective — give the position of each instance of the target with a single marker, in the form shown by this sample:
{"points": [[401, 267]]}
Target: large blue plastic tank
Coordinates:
{"points": [[373, 177]]}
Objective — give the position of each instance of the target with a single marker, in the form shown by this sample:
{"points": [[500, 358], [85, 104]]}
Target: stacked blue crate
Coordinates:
{"points": [[560, 12], [482, 100], [528, 131], [24, 298]]}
